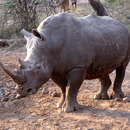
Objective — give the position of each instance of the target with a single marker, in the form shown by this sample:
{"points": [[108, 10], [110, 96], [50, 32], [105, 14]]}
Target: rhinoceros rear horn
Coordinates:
{"points": [[18, 78], [26, 33], [37, 34]]}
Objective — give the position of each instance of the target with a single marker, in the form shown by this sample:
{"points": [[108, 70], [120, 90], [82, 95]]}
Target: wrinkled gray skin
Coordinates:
{"points": [[69, 50]]}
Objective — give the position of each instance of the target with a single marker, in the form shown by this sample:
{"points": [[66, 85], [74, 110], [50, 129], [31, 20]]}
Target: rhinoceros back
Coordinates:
{"points": [[91, 40]]}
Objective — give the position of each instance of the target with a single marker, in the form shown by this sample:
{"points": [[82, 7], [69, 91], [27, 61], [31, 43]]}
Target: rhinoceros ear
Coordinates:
{"points": [[37, 34], [26, 34]]}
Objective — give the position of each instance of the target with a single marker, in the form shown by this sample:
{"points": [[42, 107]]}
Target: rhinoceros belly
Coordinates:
{"points": [[99, 72]]}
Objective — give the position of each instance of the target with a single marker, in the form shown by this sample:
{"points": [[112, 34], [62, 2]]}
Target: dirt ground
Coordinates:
{"points": [[39, 112]]}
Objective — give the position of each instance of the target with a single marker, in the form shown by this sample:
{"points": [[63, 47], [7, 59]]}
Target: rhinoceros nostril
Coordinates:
{"points": [[29, 91]]}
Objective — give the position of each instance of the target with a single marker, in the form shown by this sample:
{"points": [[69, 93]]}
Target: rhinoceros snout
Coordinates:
{"points": [[30, 91], [26, 92]]}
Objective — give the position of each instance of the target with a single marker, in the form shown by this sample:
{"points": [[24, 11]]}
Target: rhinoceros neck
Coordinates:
{"points": [[36, 55]]}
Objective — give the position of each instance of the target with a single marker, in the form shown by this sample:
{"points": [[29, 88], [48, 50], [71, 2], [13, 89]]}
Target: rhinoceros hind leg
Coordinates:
{"points": [[75, 79], [117, 93], [105, 84], [101, 96], [62, 100], [118, 96]]}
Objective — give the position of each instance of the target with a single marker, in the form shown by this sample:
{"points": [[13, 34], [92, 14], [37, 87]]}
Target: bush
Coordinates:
{"points": [[18, 14]]}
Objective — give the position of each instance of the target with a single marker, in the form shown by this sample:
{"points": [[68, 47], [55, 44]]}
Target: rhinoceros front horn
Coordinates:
{"points": [[18, 78]]}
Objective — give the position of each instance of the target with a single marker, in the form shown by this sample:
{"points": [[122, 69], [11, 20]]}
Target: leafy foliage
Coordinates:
{"points": [[20, 14]]}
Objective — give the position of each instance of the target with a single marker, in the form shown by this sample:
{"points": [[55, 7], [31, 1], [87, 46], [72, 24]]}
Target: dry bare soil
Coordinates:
{"points": [[39, 112]]}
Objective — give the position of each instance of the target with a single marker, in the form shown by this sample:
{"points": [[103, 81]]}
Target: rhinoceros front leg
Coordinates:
{"points": [[75, 79], [105, 84], [62, 83], [117, 92], [62, 100]]}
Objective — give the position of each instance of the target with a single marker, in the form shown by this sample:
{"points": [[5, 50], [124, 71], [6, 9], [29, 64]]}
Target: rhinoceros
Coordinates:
{"points": [[70, 50]]}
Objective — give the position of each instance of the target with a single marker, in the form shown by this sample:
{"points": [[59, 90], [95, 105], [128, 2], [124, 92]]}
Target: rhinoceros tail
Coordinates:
{"points": [[98, 7]]}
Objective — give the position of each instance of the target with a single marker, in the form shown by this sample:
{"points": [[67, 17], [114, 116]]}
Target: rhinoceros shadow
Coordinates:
{"points": [[89, 110]]}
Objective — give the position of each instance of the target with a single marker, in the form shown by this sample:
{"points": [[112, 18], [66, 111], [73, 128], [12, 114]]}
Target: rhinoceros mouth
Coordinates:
{"points": [[23, 95], [24, 91]]}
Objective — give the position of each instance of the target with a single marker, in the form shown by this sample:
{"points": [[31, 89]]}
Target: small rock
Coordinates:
{"points": [[18, 96], [54, 94], [2, 92], [50, 92], [5, 99], [7, 93], [45, 91], [126, 99]]}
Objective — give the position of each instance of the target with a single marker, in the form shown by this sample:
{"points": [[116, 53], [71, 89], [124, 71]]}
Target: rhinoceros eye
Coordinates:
{"points": [[21, 67], [38, 66]]}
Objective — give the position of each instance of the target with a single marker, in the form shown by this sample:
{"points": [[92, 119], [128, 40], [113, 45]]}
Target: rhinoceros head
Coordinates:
{"points": [[30, 75]]}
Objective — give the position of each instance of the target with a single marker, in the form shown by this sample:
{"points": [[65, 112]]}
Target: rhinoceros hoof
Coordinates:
{"points": [[60, 104], [117, 96], [70, 107], [101, 96]]}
